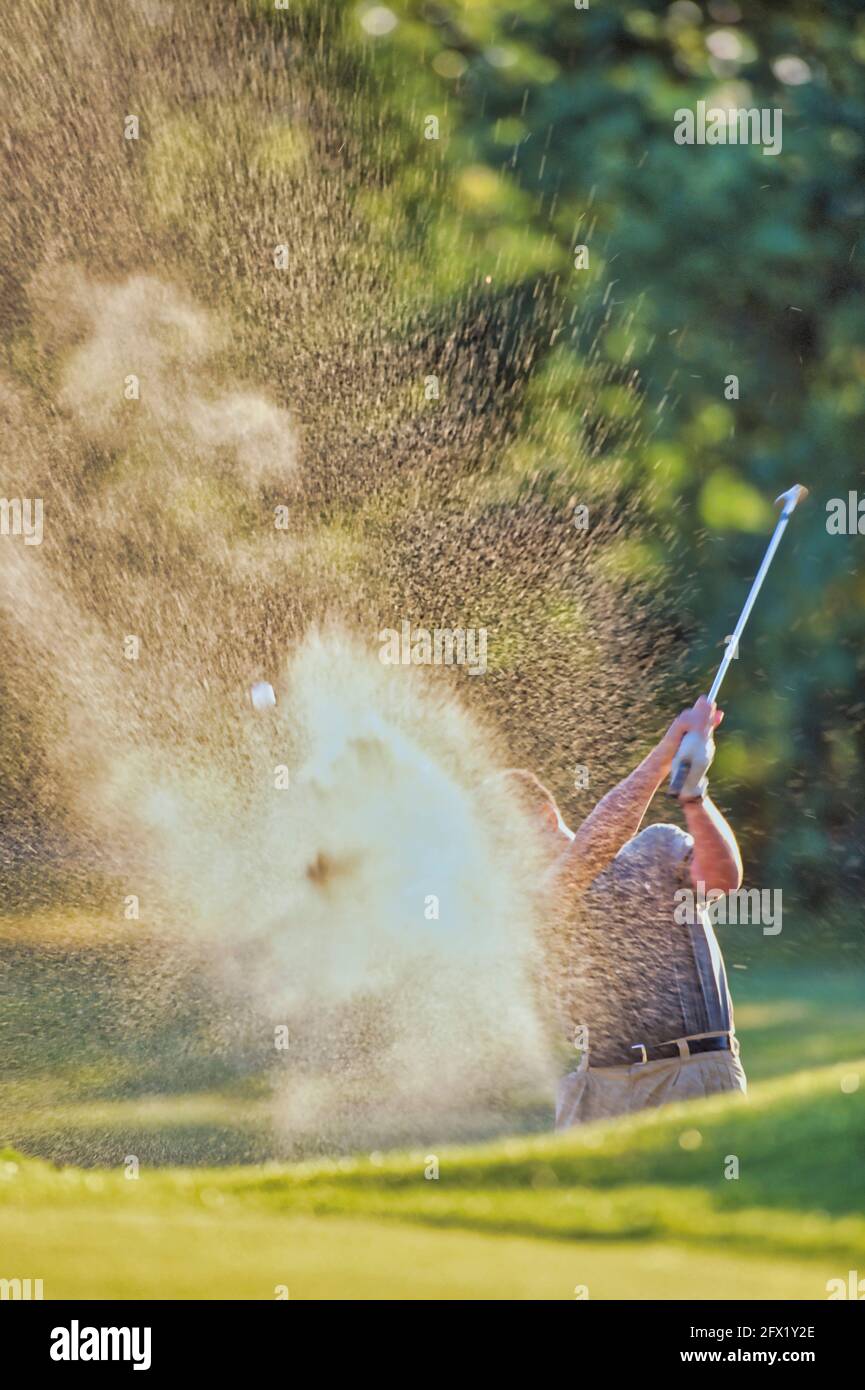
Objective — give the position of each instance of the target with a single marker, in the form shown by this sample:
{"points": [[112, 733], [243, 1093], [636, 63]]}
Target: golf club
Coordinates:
{"points": [[694, 752]]}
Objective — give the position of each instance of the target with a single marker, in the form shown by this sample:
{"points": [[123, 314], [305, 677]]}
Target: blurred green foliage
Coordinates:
{"points": [[487, 142], [555, 130]]}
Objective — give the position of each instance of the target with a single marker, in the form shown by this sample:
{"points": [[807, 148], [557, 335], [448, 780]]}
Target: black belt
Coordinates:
{"points": [[641, 1053], [654, 1054]]}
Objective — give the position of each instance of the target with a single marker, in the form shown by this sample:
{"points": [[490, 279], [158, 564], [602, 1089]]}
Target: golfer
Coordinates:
{"points": [[655, 1021]]}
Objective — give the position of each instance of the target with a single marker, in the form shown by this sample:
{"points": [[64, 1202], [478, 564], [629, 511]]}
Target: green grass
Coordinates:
{"points": [[639, 1207], [797, 1016], [87, 1255]]}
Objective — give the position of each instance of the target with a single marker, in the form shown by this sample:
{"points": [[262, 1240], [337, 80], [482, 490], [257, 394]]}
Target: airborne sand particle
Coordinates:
{"points": [[306, 905]]}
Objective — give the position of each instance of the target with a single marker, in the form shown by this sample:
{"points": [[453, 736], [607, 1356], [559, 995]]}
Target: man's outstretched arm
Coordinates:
{"points": [[618, 815]]}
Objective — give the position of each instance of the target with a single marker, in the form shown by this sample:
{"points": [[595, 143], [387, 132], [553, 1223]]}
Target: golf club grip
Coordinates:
{"points": [[680, 777]]}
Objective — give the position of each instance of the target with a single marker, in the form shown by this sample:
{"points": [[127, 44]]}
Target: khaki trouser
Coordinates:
{"points": [[597, 1093]]}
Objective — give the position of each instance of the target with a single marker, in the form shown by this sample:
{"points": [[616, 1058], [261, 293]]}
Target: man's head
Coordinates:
{"points": [[529, 793]]}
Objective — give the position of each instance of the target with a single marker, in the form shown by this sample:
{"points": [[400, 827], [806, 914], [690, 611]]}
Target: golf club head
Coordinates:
{"points": [[791, 498]]}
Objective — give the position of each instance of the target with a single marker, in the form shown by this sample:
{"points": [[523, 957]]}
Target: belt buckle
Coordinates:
{"points": [[641, 1061]]}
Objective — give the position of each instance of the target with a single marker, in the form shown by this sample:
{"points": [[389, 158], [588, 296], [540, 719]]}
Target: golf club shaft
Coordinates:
{"points": [[732, 645]]}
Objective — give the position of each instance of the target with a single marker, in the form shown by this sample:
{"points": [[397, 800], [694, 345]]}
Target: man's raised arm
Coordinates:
{"points": [[618, 815]]}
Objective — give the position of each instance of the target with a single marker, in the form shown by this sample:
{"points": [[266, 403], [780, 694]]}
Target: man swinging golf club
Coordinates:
{"points": [[652, 1014]]}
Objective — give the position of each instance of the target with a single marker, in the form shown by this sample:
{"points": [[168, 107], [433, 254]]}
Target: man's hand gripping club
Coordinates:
{"points": [[695, 750]]}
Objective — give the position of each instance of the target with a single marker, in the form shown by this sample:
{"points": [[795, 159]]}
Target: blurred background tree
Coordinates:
{"points": [[449, 160], [705, 263]]}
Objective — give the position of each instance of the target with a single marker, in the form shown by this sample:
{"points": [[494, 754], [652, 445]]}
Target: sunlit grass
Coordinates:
{"points": [[626, 1208]]}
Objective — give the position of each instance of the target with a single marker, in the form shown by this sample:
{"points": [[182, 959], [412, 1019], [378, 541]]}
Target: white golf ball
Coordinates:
{"points": [[262, 695]]}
